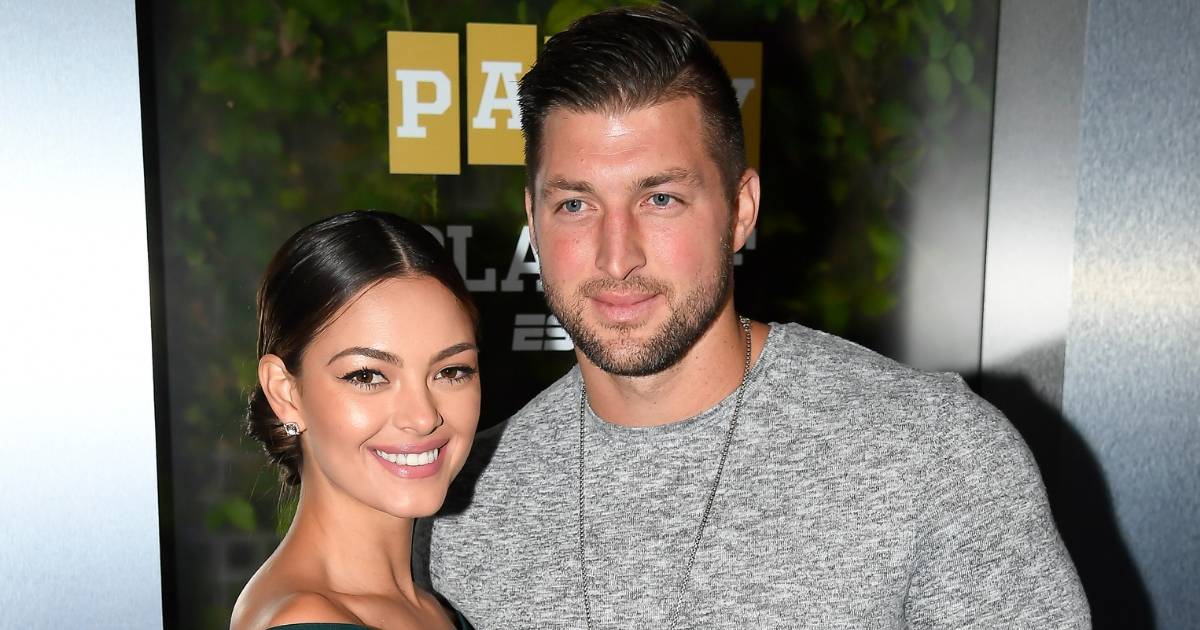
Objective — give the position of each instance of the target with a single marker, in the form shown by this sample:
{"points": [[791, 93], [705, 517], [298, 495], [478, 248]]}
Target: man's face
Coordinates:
{"points": [[633, 232]]}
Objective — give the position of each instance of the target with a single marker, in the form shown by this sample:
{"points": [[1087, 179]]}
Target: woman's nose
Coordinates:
{"points": [[417, 412]]}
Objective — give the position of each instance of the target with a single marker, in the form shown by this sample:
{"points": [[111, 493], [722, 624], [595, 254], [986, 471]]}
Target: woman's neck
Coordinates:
{"points": [[360, 550]]}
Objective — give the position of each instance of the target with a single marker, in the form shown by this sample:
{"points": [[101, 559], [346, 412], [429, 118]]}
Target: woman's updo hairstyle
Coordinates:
{"points": [[312, 277]]}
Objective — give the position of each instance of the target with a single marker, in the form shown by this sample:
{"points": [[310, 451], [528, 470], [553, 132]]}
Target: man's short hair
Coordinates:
{"points": [[624, 59]]}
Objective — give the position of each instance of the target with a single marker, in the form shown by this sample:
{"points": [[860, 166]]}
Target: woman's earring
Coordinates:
{"points": [[291, 428]]}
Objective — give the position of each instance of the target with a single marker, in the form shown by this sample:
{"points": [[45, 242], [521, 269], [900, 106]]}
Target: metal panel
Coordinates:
{"points": [[77, 458], [1031, 208], [1132, 360]]}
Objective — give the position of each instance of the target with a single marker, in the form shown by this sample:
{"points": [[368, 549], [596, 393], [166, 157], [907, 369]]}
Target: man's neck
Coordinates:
{"points": [[709, 372]]}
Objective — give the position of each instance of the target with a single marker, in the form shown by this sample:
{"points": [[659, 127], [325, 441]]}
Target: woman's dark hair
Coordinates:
{"points": [[623, 59], [312, 276]]}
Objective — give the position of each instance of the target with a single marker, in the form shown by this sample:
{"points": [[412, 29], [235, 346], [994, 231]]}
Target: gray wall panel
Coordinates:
{"points": [[1031, 207], [1132, 378], [79, 518]]}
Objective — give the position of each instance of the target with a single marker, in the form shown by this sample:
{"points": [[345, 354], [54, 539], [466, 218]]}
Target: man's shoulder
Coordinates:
{"points": [[560, 399], [817, 370], [808, 358]]}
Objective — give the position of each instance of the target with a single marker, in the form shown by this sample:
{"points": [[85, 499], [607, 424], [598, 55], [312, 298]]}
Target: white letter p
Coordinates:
{"points": [[409, 79]]}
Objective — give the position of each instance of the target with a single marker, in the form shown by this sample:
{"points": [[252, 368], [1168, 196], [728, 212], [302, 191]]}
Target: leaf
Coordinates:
{"points": [[240, 514], [962, 12], [897, 117], [948, 5], [824, 73], [771, 9], [807, 8], [940, 41], [292, 31], [887, 4], [831, 126], [866, 42], [879, 301], [858, 145], [979, 100], [566, 11], [887, 247], [962, 63], [937, 81], [235, 511], [853, 12], [901, 27]]}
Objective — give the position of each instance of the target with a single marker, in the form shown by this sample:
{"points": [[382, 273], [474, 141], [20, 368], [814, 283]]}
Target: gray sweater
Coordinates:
{"points": [[858, 493]]}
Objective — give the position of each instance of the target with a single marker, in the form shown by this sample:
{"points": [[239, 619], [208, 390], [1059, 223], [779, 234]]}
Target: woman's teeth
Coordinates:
{"points": [[411, 459]]}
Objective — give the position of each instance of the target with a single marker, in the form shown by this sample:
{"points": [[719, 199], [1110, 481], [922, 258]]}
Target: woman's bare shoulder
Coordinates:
{"points": [[309, 607], [280, 594]]}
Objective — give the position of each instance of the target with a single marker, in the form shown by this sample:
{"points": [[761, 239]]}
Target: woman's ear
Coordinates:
{"points": [[280, 387]]}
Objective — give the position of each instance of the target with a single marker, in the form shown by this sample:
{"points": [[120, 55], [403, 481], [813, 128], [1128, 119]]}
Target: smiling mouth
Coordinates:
{"points": [[411, 459]]}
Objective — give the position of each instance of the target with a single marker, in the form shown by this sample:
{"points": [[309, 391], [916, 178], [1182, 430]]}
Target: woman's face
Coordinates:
{"points": [[389, 397]]}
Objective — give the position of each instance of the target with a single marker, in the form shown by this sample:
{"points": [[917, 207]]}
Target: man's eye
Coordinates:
{"points": [[573, 205], [661, 199]]}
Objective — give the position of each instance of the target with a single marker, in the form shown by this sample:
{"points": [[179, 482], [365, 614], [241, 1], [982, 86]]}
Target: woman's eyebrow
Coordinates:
{"points": [[453, 350], [370, 353]]}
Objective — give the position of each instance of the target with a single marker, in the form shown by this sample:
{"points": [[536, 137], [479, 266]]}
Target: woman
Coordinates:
{"points": [[367, 397]]}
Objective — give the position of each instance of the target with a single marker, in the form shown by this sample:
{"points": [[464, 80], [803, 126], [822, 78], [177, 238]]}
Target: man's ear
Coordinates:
{"points": [[745, 208], [529, 220], [280, 387]]}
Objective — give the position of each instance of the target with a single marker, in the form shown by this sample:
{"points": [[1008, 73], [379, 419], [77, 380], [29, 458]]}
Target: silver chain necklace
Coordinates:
{"points": [[712, 494]]}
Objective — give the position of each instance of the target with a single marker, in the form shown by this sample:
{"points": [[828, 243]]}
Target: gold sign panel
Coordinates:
{"points": [[423, 109], [498, 55], [424, 112], [743, 61]]}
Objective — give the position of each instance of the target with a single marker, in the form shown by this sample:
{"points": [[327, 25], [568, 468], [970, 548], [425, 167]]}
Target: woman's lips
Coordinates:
{"points": [[412, 461]]}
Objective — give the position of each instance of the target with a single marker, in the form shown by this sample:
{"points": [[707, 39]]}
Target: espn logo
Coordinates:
{"points": [[534, 331], [423, 96]]}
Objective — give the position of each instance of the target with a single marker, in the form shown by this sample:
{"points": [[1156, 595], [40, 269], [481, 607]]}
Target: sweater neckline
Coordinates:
{"points": [[718, 414]]}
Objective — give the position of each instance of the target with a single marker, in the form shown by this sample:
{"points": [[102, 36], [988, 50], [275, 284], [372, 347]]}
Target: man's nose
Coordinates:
{"points": [[620, 250]]}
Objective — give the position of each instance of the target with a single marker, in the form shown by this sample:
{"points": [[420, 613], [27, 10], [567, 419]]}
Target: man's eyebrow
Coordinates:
{"points": [[367, 352], [671, 176], [566, 185], [453, 350]]}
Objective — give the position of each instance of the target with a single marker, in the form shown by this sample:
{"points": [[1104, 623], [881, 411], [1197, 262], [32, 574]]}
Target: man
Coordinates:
{"points": [[701, 471]]}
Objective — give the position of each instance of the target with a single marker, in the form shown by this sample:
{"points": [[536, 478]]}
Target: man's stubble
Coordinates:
{"points": [[690, 317]]}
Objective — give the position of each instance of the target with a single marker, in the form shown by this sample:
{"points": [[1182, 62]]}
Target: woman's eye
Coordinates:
{"points": [[572, 205], [661, 199], [456, 372], [364, 377]]}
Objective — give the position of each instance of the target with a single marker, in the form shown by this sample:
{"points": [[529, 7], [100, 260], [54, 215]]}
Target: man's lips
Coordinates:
{"points": [[623, 299], [623, 307]]}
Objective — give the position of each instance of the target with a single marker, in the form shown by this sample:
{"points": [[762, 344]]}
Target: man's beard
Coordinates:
{"points": [[690, 316]]}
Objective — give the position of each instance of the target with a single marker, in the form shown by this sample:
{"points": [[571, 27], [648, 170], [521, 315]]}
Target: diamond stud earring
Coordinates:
{"points": [[291, 428]]}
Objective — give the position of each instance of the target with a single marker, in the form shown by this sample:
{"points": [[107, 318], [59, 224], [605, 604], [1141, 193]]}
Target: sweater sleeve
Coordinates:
{"points": [[987, 553]]}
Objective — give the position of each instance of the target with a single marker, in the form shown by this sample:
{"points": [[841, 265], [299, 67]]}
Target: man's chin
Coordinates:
{"points": [[626, 355]]}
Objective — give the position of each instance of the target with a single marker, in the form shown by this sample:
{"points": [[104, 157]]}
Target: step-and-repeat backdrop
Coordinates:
{"points": [[271, 115]]}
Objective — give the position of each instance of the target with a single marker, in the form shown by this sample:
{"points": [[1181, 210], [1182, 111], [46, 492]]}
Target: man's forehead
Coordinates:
{"points": [[577, 142]]}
